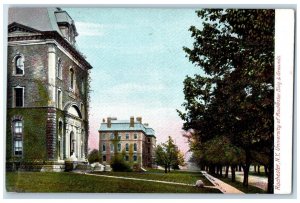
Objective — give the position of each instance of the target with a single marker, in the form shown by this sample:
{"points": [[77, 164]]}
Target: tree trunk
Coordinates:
{"points": [[271, 172], [221, 170], [246, 169], [240, 167], [255, 168], [166, 171], [266, 169], [169, 168], [258, 169], [232, 173], [226, 172]]}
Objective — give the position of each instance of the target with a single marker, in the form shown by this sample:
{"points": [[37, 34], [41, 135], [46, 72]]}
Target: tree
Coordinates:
{"points": [[234, 96], [166, 154], [94, 156]]}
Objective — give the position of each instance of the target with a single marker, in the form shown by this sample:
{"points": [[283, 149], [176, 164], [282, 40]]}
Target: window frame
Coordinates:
{"points": [[15, 96], [16, 57], [59, 98], [17, 138], [59, 67]]}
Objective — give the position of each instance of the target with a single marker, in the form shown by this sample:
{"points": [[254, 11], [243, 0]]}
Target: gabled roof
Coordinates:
{"points": [[124, 125]]}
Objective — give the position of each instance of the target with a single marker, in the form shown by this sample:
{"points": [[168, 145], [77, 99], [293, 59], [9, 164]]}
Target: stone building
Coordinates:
{"points": [[47, 91], [131, 139]]}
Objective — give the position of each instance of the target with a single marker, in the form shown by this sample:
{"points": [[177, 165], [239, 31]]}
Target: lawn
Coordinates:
{"points": [[173, 176], [80, 183]]}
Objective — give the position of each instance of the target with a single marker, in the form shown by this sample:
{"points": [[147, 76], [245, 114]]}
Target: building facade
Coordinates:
{"points": [[131, 139], [47, 91]]}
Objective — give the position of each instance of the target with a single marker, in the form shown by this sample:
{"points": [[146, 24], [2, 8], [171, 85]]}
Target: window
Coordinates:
{"points": [[17, 137], [18, 129], [119, 147], [18, 96], [135, 136], [103, 148], [134, 147], [72, 78], [103, 136], [148, 149], [112, 147], [59, 68], [127, 147], [149, 139], [59, 99], [126, 158], [82, 85], [112, 136], [19, 65], [134, 158], [103, 158], [119, 137], [127, 136]]}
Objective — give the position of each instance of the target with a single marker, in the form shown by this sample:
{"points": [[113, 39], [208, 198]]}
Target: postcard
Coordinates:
{"points": [[149, 100]]}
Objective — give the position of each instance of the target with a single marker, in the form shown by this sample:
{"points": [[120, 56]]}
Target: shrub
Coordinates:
{"points": [[118, 164], [94, 156]]}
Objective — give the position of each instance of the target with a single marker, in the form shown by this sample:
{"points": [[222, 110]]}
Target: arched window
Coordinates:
{"points": [[134, 147], [127, 147], [19, 65], [103, 148], [59, 68], [119, 147], [112, 147], [72, 78], [18, 137]]}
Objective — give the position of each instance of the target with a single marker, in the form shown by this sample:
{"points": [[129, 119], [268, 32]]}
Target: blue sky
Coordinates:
{"points": [[138, 64]]}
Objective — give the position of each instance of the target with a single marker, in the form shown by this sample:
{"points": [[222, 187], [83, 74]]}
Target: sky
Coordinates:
{"points": [[138, 65]]}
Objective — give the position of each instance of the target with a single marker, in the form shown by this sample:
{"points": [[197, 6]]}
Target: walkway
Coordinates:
{"points": [[223, 187], [140, 179]]}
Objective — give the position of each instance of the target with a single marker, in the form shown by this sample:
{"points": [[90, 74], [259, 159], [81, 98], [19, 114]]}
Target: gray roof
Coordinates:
{"points": [[124, 125], [42, 19]]}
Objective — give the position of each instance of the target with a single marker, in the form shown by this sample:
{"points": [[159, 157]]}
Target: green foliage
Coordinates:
{"points": [[94, 156], [233, 99], [167, 155], [43, 93], [118, 164], [33, 135]]}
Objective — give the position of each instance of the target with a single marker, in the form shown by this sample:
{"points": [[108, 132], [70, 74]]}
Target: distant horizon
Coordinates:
{"points": [[138, 65]]}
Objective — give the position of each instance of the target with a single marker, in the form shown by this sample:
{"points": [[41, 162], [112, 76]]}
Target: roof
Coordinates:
{"points": [[42, 19], [124, 125]]}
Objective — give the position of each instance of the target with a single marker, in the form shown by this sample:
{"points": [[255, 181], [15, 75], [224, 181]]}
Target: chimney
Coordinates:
{"points": [[146, 124], [103, 120], [109, 122], [139, 119], [131, 121]]}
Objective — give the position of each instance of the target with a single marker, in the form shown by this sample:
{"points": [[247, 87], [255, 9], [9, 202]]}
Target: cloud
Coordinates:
{"points": [[96, 29]]}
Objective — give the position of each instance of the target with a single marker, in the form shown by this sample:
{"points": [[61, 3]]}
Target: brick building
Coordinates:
{"points": [[132, 139], [47, 91]]}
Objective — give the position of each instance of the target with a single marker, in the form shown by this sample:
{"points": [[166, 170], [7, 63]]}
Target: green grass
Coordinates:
{"points": [[238, 185], [80, 183], [173, 176], [261, 174]]}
